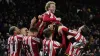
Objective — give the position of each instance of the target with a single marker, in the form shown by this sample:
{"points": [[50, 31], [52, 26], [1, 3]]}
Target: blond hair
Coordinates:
{"points": [[48, 4]]}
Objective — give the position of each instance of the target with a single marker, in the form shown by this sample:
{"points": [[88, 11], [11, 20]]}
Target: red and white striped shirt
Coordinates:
{"points": [[10, 45], [15, 43], [18, 45], [76, 51], [25, 41], [50, 46], [49, 17], [33, 46]]}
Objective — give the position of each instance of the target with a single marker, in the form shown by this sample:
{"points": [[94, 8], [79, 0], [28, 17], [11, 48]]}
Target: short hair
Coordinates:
{"points": [[85, 31], [11, 30], [47, 33], [33, 30], [48, 4]]}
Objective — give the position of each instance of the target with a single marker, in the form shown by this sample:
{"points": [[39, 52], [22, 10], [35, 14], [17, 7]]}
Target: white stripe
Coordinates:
{"points": [[81, 40], [56, 43], [26, 38], [36, 39], [51, 48], [72, 31], [70, 51], [69, 30], [43, 45], [16, 44], [77, 36], [51, 15], [9, 40], [74, 52], [78, 52], [11, 46], [30, 44]]}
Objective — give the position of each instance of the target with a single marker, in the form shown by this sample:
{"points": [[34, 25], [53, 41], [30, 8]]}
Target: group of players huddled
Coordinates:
{"points": [[47, 37]]}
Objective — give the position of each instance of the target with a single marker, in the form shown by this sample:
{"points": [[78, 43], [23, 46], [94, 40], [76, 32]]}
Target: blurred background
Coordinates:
{"points": [[74, 13]]}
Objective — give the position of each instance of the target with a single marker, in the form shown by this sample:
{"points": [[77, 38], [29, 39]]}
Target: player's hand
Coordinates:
{"points": [[79, 30], [59, 19], [33, 20], [40, 17]]}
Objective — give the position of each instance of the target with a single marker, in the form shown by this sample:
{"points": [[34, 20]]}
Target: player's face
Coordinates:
{"points": [[24, 31], [51, 27], [35, 34], [52, 8], [17, 30]]}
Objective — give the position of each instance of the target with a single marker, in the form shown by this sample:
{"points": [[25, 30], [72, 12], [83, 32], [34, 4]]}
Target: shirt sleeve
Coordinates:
{"points": [[38, 24], [57, 44], [65, 29]]}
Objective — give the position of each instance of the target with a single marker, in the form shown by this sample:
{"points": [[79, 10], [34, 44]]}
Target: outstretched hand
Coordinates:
{"points": [[33, 20]]}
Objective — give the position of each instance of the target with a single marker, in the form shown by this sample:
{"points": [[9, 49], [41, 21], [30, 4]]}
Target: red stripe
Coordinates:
{"points": [[78, 49], [41, 31], [63, 40], [72, 50], [79, 37], [54, 51], [45, 44], [68, 49], [49, 46]]}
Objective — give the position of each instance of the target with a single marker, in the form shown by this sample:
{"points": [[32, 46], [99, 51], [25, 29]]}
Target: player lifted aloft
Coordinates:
{"points": [[48, 17]]}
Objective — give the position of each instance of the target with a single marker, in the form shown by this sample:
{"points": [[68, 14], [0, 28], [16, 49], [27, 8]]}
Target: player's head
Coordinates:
{"points": [[50, 6], [47, 33], [54, 26], [24, 31], [51, 26], [14, 30], [85, 31], [33, 32]]}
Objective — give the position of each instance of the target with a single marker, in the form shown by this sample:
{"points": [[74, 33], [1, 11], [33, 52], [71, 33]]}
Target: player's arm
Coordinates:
{"points": [[33, 21], [57, 44], [62, 30], [71, 34], [79, 30], [68, 31], [39, 21], [70, 37], [37, 40], [65, 29]]}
